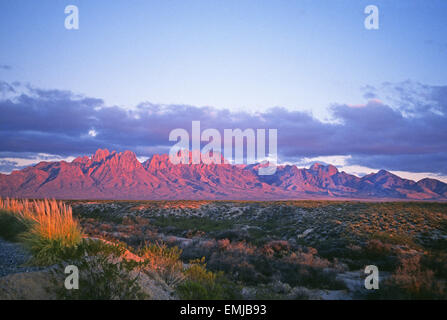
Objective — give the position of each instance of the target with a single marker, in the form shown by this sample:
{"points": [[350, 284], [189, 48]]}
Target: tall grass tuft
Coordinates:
{"points": [[48, 228]]}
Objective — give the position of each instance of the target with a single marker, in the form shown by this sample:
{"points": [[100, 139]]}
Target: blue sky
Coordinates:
{"points": [[227, 54], [237, 56]]}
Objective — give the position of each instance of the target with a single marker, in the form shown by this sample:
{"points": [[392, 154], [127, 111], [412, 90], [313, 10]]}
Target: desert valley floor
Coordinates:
{"points": [[286, 249]]}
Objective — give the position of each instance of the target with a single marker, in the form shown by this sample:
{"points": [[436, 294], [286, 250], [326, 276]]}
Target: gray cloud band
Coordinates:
{"points": [[388, 135]]}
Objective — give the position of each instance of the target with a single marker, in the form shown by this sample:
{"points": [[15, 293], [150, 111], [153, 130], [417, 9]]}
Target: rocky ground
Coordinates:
{"points": [[17, 279], [13, 259], [21, 281]]}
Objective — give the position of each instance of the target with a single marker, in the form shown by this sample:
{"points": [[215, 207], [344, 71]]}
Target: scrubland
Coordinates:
{"points": [[236, 249]]}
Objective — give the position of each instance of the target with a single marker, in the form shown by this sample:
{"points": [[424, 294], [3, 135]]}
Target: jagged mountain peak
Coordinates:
{"points": [[112, 175], [100, 155], [329, 169]]}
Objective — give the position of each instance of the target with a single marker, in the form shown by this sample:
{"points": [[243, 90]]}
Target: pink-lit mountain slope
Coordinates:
{"points": [[112, 175]]}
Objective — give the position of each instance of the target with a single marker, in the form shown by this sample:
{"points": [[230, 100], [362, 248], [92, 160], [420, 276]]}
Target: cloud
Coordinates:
{"points": [[6, 88], [430, 162], [338, 161], [7, 166], [402, 126], [17, 161]]}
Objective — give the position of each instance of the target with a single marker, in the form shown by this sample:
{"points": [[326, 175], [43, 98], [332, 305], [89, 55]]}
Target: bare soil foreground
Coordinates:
{"points": [[257, 250]]}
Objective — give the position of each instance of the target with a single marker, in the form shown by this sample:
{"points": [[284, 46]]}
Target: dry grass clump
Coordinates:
{"points": [[46, 227]]}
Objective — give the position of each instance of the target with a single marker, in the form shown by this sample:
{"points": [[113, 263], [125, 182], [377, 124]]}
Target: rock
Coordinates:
{"points": [[13, 259], [305, 233], [27, 286], [155, 288]]}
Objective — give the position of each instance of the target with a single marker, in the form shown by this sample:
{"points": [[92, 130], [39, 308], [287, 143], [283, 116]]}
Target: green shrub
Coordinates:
{"points": [[104, 273], [11, 226], [310, 277], [436, 261], [201, 284], [194, 224]]}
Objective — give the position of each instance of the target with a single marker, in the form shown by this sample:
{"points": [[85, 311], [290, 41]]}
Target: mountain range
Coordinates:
{"points": [[120, 176]]}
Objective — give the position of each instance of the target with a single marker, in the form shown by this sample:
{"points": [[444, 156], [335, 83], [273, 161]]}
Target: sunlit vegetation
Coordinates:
{"points": [[237, 249], [202, 284], [164, 260], [46, 227], [108, 269], [289, 249], [105, 273]]}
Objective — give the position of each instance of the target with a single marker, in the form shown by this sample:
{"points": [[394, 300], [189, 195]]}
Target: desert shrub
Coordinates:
{"points": [[10, 226], [357, 256], [236, 259], [306, 256], [233, 235], [380, 253], [272, 291], [433, 243], [240, 247], [181, 225], [92, 247], [411, 281], [239, 266], [265, 266], [250, 265], [376, 248], [46, 227], [397, 239], [277, 249], [164, 260], [309, 277], [201, 284], [256, 236], [198, 250], [304, 267], [99, 215], [436, 261], [301, 294], [267, 294], [248, 274], [104, 273], [333, 248]]}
